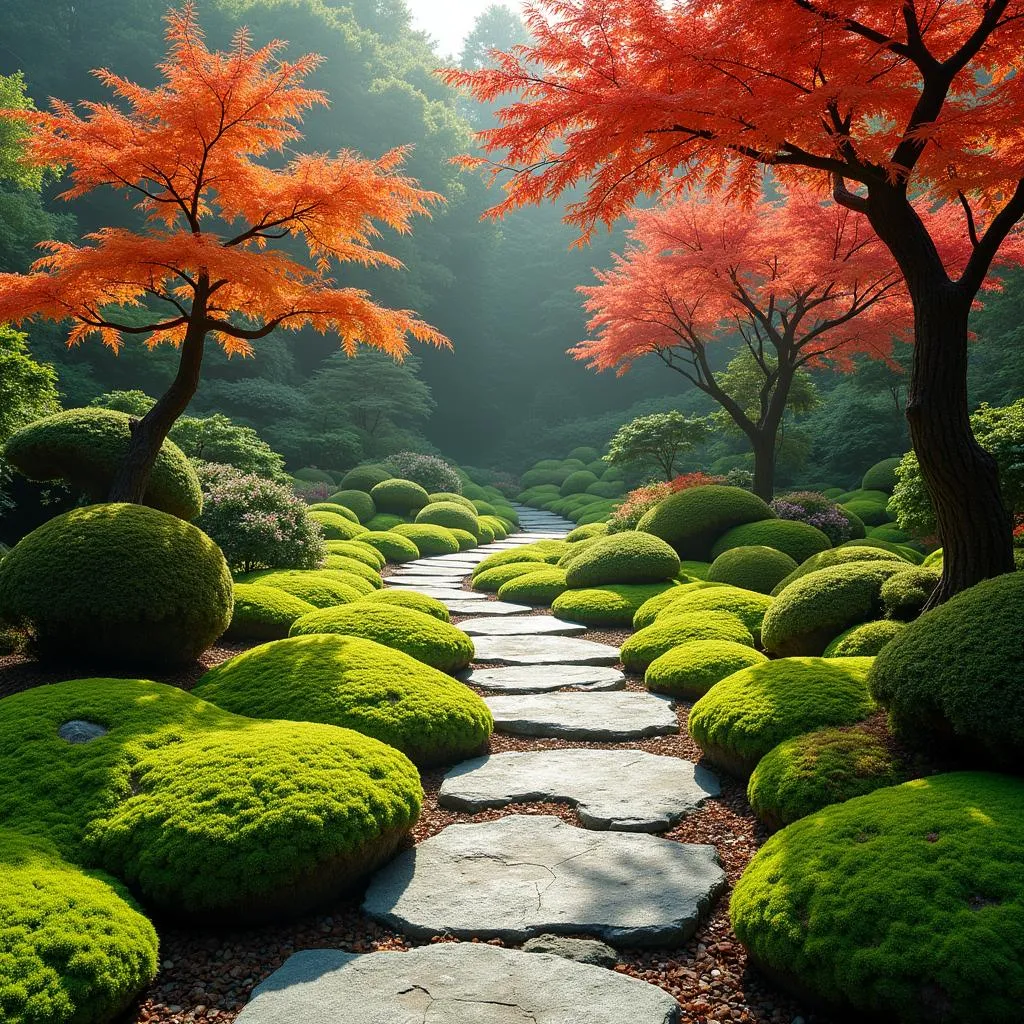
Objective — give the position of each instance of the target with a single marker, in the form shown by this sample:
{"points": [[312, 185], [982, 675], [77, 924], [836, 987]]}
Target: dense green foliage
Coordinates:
{"points": [[881, 476], [358, 502], [748, 606], [450, 516], [400, 497], [657, 439], [316, 588], [264, 613], [490, 581], [393, 546], [407, 599], [798, 540], [612, 604], [691, 669], [336, 526], [622, 558], [865, 640], [429, 540], [540, 587], [549, 551], [905, 594], [757, 568], [364, 478], [840, 556], [674, 630]]}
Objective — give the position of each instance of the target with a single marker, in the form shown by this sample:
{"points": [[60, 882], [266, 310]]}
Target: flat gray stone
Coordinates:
{"points": [[452, 983], [623, 790], [78, 731], [597, 717], [452, 592], [474, 607], [474, 557], [445, 582], [455, 571], [522, 625], [543, 650], [582, 951], [544, 678], [525, 875]]}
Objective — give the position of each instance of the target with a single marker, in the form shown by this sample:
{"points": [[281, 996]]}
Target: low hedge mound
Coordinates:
{"points": [[400, 497], [748, 606], [549, 551], [905, 594], [577, 483], [467, 541], [798, 540], [364, 478], [690, 670], [453, 498], [872, 513], [904, 551], [588, 532], [865, 640], [336, 526], [450, 515], [881, 476], [537, 588], [650, 643], [757, 568], [383, 522], [623, 558], [614, 604], [393, 546], [337, 510], [356, 501], [838, 556], [403, 598], [429, 540], [313, 587], [264, 613], [490, 582], [357, 549]]}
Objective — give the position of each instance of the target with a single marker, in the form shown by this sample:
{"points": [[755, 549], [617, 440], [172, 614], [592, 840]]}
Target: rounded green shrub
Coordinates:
{"points": [[798, 540], [605, 490], [748, 606], [905, 594], [587, 532], [483, 508], [577, 483], [450, 497], [393, 546], [650, 643], [312, 475], [952, 678], [336, 526], [264, 613], [871, 513], [754, 568], [466, 540], [746, 714], [865, 640], [421, 636], [359, 684], [934, 558], [364, 478], [893, 534], [537, 588], [613, 604], [73, 946], [907, 553], [838, 556], [622, 558], [490, 581], [543, 478], [352, 567], [549, 551], [692, 520], [872, 497], [881, 476], [118, 585], [430, 540], [653, 606], [407, 599], [484, 534], [450, 515], [357, 549], [198, 811], [903, 905], [585, 454], [691, 669], [333, 509], [315, 588], [815, 609], [498, 527], [693, 570], [357, 502], [382, 522], [86, 447], [806, 773], [400, 497]]}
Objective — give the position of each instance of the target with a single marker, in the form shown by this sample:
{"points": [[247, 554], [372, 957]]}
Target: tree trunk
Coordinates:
{"points": [[764, 465]]}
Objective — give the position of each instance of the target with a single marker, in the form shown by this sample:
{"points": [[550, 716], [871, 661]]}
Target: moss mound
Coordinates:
{"points": [[417, 634], [754, 568], [692, 520], [450, 515], [693, 570], [456, 499], [264, 613], [806, 773], [614, 604], [577, 483], [357, 549], [400, 497], [382, 522], [747, 605], [393, 546], [872, 513], [337, 510], [342, 564], [952, 678], [467, 541], [353, 682], [838, 556], [86, 447], [798, 540], [908, 554], [364, 478], [73, 947], [312, 586], [498, 527], [280, 815], [429, 540], [356, 501], [312, 475], [741, 718], [490, 582], [865, 640], [690, 670], [623, 558], [537, 588], [587, 532], [881, 476], [905, 594], [336, 526], [549, 551], [407, 599], [648, 644], [117, 585], [905, 904]]}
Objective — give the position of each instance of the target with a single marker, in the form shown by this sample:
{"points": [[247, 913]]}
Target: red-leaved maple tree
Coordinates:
{"points": [[203, 153], [896, 105], [803, 283]]}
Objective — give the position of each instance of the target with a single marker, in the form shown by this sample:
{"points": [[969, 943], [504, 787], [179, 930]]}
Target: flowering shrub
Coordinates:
{"points": [[312, 492], [737, 477], [1018, 532], [637, 502], [816, 510], [430, 472], [257, 523]]}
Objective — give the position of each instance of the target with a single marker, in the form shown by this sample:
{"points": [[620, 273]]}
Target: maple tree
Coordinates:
{"points": [[896, 105], [205, 153], [802, 283]]}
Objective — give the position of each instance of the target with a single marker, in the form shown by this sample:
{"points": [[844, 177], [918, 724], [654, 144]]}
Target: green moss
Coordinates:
{"points": [[838, 556], [692, 520], [393, 546], [881, 476], [587, 532], [355, 683], [490, 581], [755, 568], [407, 599], [86, 447], [381, 523], [316, 588], [364, 478], [311, 475], [401, 497], [693, 570], [430, 540], [865, 640], [905, 594], [357, 549], [690, 670], [746, 714], [466, 540], [537, 588], [650, 643], [815, 609], [549, 551], [421, 636], [118, 585], [653, 606], [906, 904], [73, 947], [264, 613], [798, 540], [358, 502], [279, 815], [622, 558], [336, 526], [453, 498], [498, 527], [748, 606], [934, 558], [337, 510], [872, 513], [351, 567], [806, 773], [614, 604], [908, 554], [450, 515], [577, 483]]}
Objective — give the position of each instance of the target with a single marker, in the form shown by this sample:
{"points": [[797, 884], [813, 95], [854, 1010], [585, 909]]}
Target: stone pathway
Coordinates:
{"points": [[544, 678], [543, 650], [522, 625], [593, 717]]}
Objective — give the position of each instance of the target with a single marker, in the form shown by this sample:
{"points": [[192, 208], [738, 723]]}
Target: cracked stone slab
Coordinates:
{"points": [[526, 875], [543, 650], [623, 790], [543, 678], [596, 717], [473, 607], [522, 625], [452, 983]]}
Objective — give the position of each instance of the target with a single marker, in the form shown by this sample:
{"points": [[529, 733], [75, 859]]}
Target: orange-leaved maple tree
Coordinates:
{"points": [[204, 153], [798, 283], [896, 105]]}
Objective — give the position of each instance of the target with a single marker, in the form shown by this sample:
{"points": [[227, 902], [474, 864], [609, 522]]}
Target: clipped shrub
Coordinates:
{"points": [[653, 606], [337, 527], [577, 483], [338, 510], [934, 558], [613, 604], [483, 508], [421, 636], [693, 519], [399, 497], [536, 588], [692, 570], [650, 643], [893, 534], [364, 478], [585, 454], [117, 585], [488, 582], [746, 714], [816, 510], [690, 670], [430, 472], [357, 549], [881, 476], [450, 497], [382, 522], [798, 540], [429, 540], [905, 594], [865, 640], [587, 532], [815, 609], [315, 588], [872, 513], [359, 684], [312, 475], [621, 558], [751, 568], [264, 613], [908, 554], [467, 541], [872, 497], [349, 577], [546, 477], [498, 527], [748, 606], [804, 774], [903, 905], [839, 556], [85, 448], [352, 567], [358, 502], [549, 551], [403, 598]]}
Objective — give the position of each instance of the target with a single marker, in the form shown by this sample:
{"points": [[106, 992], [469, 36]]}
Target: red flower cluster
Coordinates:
{"points": [[637, 502]]}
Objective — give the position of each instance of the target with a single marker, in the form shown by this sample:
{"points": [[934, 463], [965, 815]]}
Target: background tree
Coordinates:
{"points": [[191, 149], [659, 438]]}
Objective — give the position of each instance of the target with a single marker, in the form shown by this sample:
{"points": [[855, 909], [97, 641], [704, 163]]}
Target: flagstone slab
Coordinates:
{"points": [[452, 592], [473, 607], [543, 650], [595, 717], [544, 678], [522, 625], [447, 582]]}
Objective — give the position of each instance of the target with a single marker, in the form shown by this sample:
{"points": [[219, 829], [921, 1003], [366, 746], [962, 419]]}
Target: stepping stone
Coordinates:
{"points": [[472, 607], [544, 650], [522, 625], [452, 983], [542, 678], [454, 571], [624, 790], [448, 582], [597, 717], [583, 951], [525, 875], [441, 593], [473, 558]]}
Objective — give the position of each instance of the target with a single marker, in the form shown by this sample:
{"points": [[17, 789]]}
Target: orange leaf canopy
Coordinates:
{"points": [[203, 154]]}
